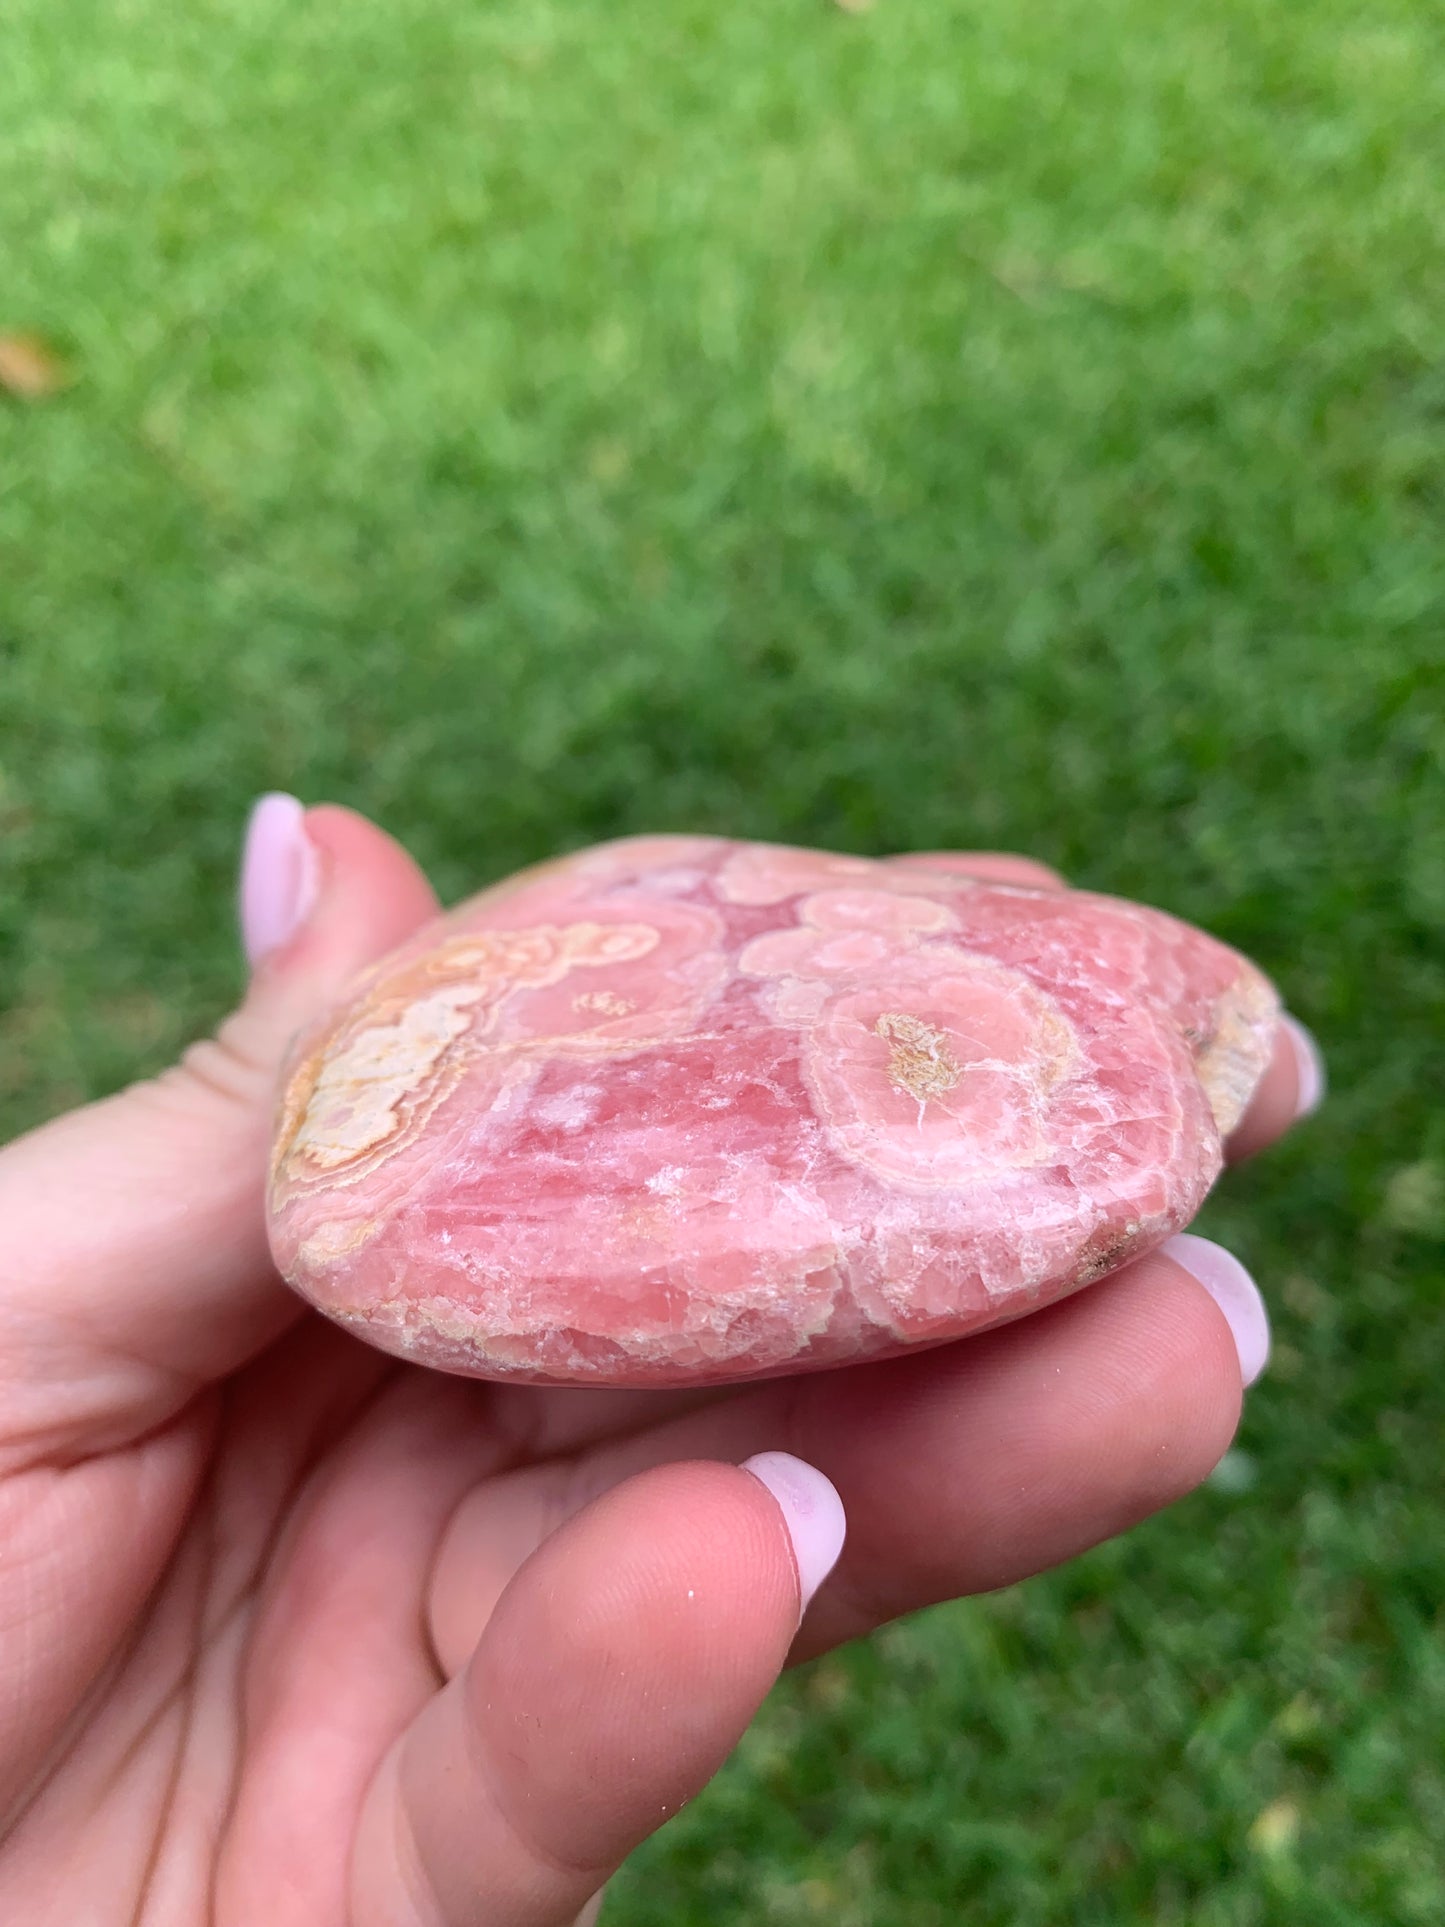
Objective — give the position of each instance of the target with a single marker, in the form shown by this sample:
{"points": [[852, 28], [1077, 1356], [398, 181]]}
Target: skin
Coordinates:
{"points": [[292, 1632]]}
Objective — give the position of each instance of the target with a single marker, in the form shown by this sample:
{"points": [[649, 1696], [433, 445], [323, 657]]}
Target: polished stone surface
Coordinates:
{"points": [[679, 1109]]}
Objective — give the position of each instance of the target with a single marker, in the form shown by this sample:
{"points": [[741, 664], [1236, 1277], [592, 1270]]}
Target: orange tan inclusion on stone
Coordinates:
{"points": [[369, 1084], [679, 1110], [382, 1066]]}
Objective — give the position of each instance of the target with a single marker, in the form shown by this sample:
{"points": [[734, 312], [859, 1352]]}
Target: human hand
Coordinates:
{"points": [[291, 1632]]}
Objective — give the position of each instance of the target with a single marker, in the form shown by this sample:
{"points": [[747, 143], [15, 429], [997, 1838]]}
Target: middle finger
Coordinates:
{"points": [[961, 1468]]}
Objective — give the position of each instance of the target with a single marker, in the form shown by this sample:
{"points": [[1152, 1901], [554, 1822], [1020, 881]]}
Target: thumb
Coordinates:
{"points": [[617, 1672], [135, 1265]]}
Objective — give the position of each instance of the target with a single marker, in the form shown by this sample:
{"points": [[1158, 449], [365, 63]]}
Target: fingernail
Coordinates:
{"points": [[279, 875], [1233, 1290], [812, 1512], [1309, 1066]]}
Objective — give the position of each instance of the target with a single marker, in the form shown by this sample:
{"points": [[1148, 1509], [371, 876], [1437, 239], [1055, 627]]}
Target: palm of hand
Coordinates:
{"points": [[342, 1527], [322, 1638]]}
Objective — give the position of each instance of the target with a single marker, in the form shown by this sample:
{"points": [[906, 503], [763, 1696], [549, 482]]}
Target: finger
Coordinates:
{"points": [[1293, 1085], [990, 866], [962, 1469], [1116, 1406], [135, 1262], [618, 1670], [545, 1422]]}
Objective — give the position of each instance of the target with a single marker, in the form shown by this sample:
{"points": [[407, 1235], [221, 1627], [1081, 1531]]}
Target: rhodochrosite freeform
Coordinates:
{"points": [[679, 1110]]}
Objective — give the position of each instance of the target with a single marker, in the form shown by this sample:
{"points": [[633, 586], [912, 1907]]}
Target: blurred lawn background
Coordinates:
{"points": [[531, 421]]}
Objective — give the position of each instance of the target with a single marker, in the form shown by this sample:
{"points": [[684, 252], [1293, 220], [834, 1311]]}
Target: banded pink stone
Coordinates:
{"points": [[681, 1109]]}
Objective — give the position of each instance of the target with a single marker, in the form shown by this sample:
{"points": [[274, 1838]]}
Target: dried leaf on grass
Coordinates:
{"points": [[29, 367]]}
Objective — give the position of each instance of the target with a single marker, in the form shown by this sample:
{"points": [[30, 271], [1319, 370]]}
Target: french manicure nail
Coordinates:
{"points": [[279, 875], [1309, 1066], [812, 1512], [1233, 1290]]}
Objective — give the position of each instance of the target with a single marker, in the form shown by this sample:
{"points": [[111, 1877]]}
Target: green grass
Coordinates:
{"points": [[965, 423]]}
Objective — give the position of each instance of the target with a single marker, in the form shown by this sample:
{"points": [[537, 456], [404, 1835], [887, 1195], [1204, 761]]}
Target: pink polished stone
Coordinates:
{"points": [[678, 1110]]}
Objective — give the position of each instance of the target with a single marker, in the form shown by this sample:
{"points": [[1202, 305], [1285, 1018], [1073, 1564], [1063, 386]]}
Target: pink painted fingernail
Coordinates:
{"points": [[279, 875], [1309, 1065], [1233, 1290], [812, 1512]]}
